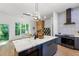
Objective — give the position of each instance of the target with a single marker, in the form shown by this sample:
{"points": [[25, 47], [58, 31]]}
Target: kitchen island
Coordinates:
{"points": [[25, 45]]}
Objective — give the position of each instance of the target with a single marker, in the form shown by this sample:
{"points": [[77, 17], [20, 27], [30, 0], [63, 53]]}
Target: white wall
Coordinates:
{"points": [[55, 23], [52, 23], [69, 29], [11, 20], [48, 23]]}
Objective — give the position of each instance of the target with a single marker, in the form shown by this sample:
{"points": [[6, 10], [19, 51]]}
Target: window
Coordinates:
{"points": [[4, 32], [27, 28], [17, 29], [21, 28]]}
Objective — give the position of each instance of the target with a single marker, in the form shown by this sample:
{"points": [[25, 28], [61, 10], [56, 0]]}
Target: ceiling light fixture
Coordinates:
{"points": [[37, 15]]}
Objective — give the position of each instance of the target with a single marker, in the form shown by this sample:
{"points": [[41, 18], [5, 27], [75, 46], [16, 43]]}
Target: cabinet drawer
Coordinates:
{"points": [[51, 42]]}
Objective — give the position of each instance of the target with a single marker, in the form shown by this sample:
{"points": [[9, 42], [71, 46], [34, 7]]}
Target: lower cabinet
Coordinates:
{"points": [[59, 41], [35, 51], [76, 43], [45, 49], [50, 48]]}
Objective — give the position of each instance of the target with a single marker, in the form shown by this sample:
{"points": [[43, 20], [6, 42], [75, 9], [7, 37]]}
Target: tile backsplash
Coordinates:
{"points": [[47, 31]]}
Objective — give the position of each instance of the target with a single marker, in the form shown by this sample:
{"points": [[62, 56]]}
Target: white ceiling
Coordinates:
{"points": [[43, 8]]}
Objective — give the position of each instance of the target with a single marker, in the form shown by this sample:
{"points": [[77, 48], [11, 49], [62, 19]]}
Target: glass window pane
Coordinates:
{"points": [[22, 28], [17, 29], [27, 28], [4, 32]]}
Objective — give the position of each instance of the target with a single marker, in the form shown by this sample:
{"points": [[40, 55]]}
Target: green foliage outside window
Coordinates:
{"points": [[17, 29], [4, 32], [21, 28], [27, 27]]}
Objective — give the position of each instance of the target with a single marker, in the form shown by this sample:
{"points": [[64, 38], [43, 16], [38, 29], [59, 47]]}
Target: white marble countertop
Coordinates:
{"points": [[26, 43], [76, 35]]}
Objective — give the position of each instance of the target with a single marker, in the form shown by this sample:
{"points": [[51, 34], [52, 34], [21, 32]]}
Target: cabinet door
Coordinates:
{"points": [[76, 42], [59, 41], [34, 51], [49, 48]]}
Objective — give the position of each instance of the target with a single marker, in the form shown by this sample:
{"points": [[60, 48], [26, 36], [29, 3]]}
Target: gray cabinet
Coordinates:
{"points": [[34, 51], [50, 48], [77, 42], [46, 49], [59, 41]]}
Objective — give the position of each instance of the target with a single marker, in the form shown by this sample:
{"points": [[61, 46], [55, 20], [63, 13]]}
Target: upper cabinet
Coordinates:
{"points": [[68, 17]]}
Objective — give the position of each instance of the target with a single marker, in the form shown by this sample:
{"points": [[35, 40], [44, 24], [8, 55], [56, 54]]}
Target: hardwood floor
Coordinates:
{"points": [[8, 50], [63, 51]]}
